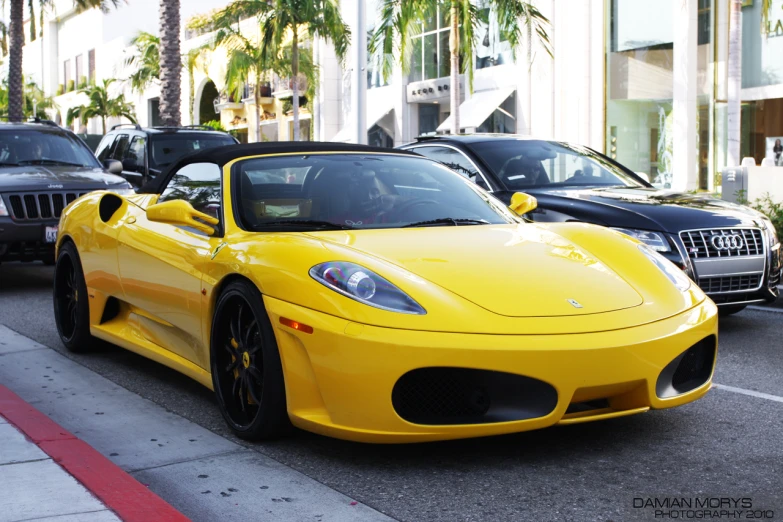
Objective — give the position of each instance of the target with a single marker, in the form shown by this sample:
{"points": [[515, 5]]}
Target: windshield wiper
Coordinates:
{"points": [[47, 161], [5, 164], [325, 225], [448, 221]]}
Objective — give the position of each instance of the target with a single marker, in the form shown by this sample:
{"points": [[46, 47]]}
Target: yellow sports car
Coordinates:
{"points": [[377, 296]]}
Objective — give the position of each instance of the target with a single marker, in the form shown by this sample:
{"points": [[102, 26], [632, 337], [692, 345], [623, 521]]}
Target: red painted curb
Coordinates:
{"points": [[121, 493]]}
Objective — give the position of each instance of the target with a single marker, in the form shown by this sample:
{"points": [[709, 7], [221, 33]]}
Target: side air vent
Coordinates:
{"points": [[109, 204]]}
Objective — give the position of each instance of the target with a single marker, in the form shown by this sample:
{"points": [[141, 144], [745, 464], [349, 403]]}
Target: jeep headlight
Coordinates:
{"points": [[3, 209], [669, 269]]}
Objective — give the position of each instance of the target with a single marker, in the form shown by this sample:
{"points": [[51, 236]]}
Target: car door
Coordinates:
{"points": [[455, 160], [161, 265]]}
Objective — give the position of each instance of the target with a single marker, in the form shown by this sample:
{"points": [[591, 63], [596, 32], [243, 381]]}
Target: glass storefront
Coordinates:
{"points": [[430, 58], [640, 86], [492, 47]]}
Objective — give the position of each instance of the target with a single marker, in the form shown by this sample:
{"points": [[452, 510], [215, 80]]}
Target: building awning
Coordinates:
{"points": [[476, 109], [379, 104]]}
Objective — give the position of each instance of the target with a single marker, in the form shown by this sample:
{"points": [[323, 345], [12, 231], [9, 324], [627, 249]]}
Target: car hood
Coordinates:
{"points": [[646, 208], [55, 178], [515, 271]]}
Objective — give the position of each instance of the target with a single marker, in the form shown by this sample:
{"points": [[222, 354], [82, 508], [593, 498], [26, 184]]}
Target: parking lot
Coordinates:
{"points": [[725, 446]]}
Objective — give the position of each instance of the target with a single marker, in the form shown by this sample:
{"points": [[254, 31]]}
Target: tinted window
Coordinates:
{"points": [[198, 184], [166, 149], [453, 159], [359, 190], [104, 147], [134, 157], [522, 164], [32, 146], [121, 147]]}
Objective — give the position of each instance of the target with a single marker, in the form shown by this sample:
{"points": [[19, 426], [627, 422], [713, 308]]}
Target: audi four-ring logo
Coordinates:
{"points": [[732, 242]]}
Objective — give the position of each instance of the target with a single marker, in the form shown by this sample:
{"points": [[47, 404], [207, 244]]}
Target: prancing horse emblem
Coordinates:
{"points": [[574, 303]]}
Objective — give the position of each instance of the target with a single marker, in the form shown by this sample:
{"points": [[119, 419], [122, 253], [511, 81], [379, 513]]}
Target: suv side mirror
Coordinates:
{"points": [[181, 213], [522, 203], [113, 166]]}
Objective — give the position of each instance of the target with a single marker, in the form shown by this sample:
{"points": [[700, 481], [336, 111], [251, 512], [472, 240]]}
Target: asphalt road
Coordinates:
{"points": [[728, 444]]}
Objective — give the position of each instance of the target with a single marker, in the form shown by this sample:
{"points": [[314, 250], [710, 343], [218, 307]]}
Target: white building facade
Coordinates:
{"points": [[643, 81]]}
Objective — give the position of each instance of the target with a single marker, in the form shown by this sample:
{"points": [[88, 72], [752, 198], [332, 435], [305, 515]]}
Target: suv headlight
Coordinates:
{"points": [[654, 240], [669, 269], [365, 286], [3, 209], [122, 191]]}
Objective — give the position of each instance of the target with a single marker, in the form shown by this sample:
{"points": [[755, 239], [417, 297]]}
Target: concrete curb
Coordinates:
{"points": [[120, 492]]}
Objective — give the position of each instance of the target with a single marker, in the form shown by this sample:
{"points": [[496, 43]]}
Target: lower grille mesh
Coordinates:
{"points": [[714, 285]]}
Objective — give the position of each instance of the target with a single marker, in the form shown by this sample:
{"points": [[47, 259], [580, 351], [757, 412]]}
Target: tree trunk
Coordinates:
{"points": [[170, 64], [15, 79], [454, 49], [191, 94], [735, 83], [257, 93], [103, 122], [295, 71]]}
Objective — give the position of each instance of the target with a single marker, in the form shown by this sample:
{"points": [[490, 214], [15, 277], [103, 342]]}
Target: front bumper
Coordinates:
{"points": [[25, 241], [340, 379]]}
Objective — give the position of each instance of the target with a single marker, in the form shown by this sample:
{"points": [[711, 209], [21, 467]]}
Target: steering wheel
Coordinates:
{"points": [[411, 204]]}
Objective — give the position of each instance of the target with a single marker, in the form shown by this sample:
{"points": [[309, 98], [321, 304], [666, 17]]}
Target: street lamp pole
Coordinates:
{"points": [[359, 75]]}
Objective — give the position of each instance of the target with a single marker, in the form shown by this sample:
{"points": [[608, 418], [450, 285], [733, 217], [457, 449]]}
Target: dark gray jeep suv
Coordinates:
{"points": [[43, 168]]}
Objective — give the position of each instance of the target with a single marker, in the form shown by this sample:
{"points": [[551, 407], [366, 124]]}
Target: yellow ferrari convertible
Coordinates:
{"points": [[377, 296]]}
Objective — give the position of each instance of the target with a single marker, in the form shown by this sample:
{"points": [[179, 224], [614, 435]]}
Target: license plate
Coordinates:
{"points": [[50, 234]]}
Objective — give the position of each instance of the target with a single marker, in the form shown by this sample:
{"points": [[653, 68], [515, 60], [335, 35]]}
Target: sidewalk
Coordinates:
{"points": [[202, 475], [46, 472]]}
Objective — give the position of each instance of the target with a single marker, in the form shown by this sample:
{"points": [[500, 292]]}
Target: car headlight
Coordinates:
{"points": [[669, 269], [365, 286], [772, 234], [3, 209], [122, 191], [655, 240]]}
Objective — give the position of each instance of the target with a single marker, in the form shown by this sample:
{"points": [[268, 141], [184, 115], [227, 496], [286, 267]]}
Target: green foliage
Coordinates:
{"points": [[60, 89], [767, 206], [70, 86], [401, 20], [82, 82], [145, 61], [35, 101], [216, 125], [101, 105]]}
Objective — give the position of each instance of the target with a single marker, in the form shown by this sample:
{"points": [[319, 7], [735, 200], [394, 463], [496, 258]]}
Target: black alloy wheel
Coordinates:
{"points": [[247, 374], [71, 306]]}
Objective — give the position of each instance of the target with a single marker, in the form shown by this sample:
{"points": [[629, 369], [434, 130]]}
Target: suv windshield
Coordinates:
{"points": [[165, 149], [524, 164], [43, 147], [358, 190]]}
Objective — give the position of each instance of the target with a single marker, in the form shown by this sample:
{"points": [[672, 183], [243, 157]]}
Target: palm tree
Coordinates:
{"points": [[401, 20], [101, 106], [170, 63], [16, 44], [35, 101], [284, 19], [145, 61]]}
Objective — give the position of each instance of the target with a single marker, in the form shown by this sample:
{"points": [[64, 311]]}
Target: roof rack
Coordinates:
{"points": [[191, 127], [134, 125], [426, 137], [32, 120]]}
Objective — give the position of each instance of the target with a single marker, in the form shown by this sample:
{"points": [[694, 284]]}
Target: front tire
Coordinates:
{"points": [[247, 374], [71, 306]]}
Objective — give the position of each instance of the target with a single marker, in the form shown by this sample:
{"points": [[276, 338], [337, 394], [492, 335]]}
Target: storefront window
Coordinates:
{"points": [[762, 50], [429, 118], [430, 57], [492, 46], [374, 61], [504, 119]]}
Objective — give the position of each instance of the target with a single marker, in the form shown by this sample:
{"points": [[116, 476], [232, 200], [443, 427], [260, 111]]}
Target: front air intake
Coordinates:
{"points": [[444, 395], [689, 370]]}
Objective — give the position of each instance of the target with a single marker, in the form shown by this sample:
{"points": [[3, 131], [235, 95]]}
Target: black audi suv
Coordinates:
{"points": [[43, 168], [731, 251]]}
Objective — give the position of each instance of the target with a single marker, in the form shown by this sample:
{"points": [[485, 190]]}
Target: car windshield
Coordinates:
{"points": [[358, 190], [44, 147], [525, 164], [168, 148]]}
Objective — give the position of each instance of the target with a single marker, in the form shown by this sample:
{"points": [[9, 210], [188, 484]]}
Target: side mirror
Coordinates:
{"points": [[522, 203], [181, 213], [113, 166]]}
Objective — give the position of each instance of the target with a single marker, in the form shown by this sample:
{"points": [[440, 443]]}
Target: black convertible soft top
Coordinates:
{"points": [[223, 155]]}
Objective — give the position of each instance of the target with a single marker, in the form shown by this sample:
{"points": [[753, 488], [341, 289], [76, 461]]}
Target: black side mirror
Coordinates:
{"points": [[113, 166]]}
